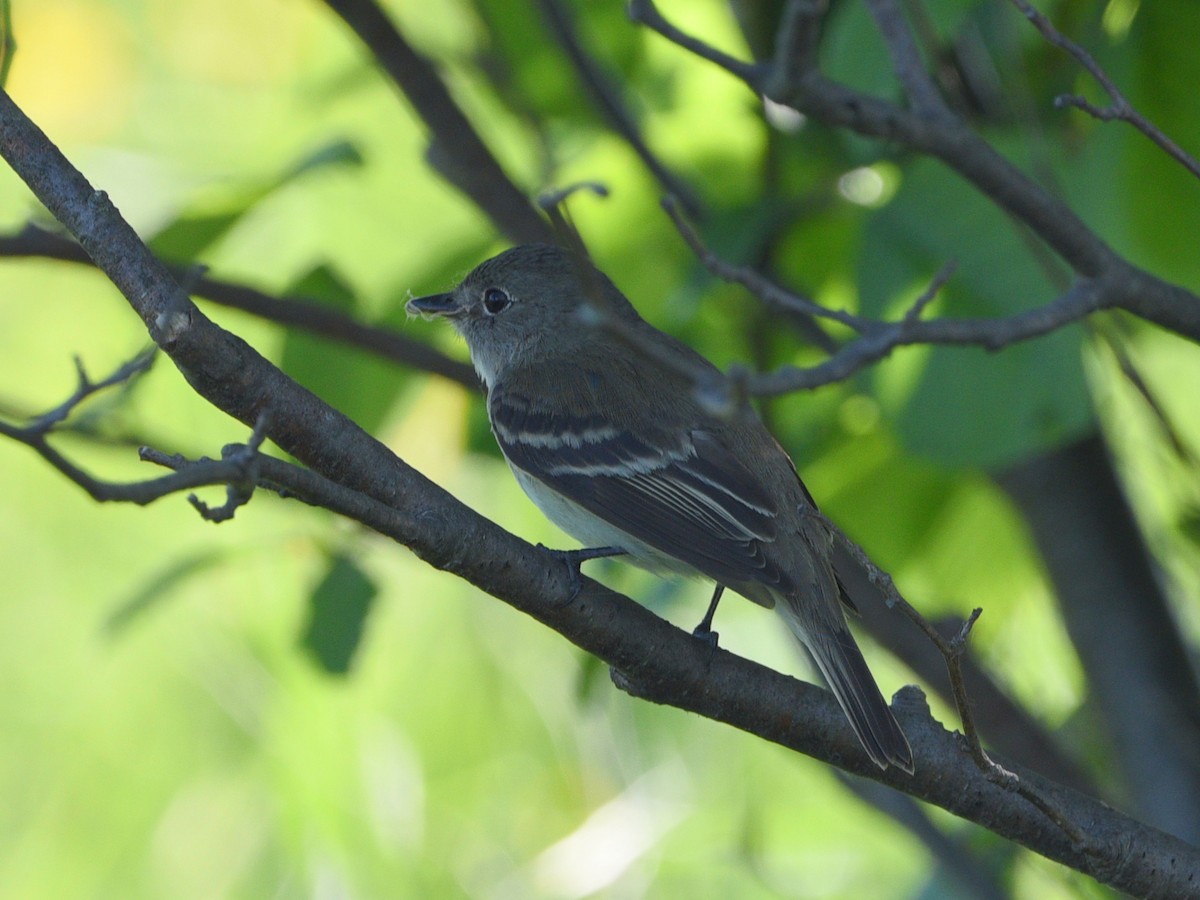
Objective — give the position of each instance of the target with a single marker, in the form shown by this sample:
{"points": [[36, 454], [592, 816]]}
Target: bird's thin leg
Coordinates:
{"points": [[704, 629], [576, 558]]}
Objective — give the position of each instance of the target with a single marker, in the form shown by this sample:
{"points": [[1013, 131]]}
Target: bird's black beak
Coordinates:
{"points": [[433, 305]]}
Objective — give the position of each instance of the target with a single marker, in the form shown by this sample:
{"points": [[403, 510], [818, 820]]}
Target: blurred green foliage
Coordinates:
{"points": [[161, 734]]}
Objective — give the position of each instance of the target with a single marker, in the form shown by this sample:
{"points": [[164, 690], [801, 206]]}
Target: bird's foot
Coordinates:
{"points": [[576, 558], [704, 631]]}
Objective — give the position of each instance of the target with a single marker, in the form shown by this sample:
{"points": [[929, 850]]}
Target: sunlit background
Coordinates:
{"points": [[165, 728]]}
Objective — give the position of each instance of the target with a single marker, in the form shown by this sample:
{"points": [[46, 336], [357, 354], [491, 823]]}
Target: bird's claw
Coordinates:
{"points": [[576, 558]]}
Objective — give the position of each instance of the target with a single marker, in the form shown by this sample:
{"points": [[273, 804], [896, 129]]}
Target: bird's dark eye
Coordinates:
{"points": [[495, 300]]}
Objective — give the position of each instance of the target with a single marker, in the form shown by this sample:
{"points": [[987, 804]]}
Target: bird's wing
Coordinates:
{"points": [[684, 494]]}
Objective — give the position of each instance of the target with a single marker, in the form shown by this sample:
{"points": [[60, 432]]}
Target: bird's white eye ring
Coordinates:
{"points": [[496, 301]]}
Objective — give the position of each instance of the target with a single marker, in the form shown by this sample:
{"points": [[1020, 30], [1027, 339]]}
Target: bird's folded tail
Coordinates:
{"points": [[846, 672]]}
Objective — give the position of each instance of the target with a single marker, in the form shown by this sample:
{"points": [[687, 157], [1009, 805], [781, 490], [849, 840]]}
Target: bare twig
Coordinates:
{"points": [[645, 12], [551, 200], [85, 388], [1082, 300], [298, 312], [458, 152], [877, 339], [797, 39], [608, 98], [1120, 107], [920, 88], [1115, 342], [763, 288], [238, 492], [36, 432], [927, 296], [554, 204], [952, 651]]}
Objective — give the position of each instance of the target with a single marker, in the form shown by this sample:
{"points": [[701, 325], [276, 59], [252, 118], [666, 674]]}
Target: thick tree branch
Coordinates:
{"points": [[1112, 281], [458, 152]]}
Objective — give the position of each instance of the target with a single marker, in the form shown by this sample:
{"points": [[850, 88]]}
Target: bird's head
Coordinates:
{"points": [[530, 301]]}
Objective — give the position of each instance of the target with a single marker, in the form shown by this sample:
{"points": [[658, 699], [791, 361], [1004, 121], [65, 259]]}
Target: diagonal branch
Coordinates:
{"points": [[1120, 108], [607, 97], [297, 312], [798, 37], [920, 88], [458, 153]]}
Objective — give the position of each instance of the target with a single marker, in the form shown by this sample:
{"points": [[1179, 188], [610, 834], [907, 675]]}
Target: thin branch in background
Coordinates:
{"points": [[554, 205], [927, 296], [298, 312], [1120, 108], [456, 150], [85, 388], [1116, 344], [646, 13], [1081, 300], [549, 201], [1104, 279], [761, 287], [797, 39], [608, 98], [877, 339], [919, 86]]}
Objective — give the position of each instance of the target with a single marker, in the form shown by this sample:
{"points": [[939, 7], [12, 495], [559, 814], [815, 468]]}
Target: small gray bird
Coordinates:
{"points": [[602, 428]]}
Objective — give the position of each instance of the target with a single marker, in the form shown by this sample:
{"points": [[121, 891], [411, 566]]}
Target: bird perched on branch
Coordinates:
{"points": [[600, 419]]}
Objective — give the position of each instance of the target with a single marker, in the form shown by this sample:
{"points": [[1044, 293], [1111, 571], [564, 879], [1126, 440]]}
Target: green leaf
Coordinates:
{"points": [[969, 407], [989, 409], [359, 384], [1151, 186], [195, 230], [335, 153], [338, 609], [8, 46], [191, 234], [158, 588], [535, 75]]}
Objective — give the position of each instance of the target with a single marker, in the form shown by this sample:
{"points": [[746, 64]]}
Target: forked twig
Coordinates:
{"points": [[952, 651], [1120, 107]]}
